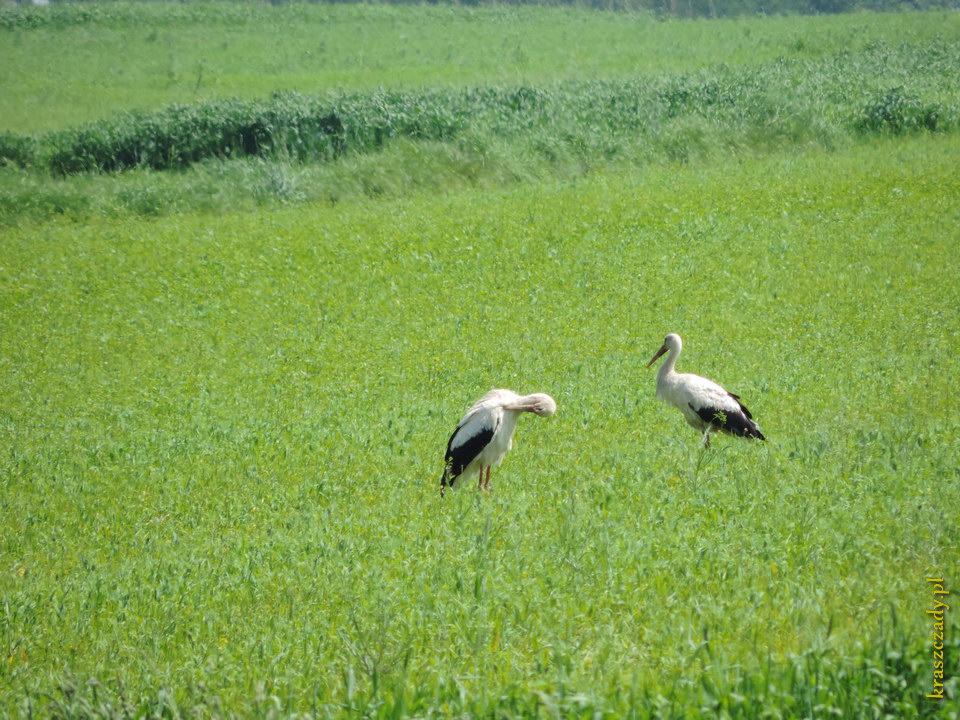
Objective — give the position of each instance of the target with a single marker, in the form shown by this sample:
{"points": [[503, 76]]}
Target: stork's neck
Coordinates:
{"points": [[667, 368]]}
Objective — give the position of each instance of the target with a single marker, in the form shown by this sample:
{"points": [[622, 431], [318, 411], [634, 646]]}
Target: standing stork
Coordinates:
{"points": [[485, 434], [705, 405]]}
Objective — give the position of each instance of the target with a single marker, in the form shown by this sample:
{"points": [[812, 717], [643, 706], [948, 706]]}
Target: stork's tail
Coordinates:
{"points": [[742, 425], [754, 432], [735, 423]]}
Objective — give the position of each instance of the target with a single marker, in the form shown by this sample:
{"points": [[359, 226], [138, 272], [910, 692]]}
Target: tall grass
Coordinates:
{"points": [[815, 683]]}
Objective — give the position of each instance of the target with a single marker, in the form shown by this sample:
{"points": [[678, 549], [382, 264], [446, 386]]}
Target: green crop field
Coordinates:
{"points": [[228, 377]]}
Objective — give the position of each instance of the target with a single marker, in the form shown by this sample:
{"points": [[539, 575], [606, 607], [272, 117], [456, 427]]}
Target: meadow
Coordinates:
{"points": [[222, 428]]}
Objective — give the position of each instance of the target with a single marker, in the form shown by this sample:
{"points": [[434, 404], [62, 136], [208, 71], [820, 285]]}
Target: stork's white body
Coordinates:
{"points": [[484, 434], [705, 405], [691, 393], [488, 414]]}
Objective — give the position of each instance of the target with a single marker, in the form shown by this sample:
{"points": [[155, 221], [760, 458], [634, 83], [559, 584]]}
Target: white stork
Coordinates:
{"points": [[485, 434], [705, 405]]}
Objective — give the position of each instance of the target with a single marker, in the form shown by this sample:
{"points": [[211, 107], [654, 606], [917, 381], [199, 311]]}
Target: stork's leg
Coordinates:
{"points": [[487, 483], [706, 439], [480, 479]]}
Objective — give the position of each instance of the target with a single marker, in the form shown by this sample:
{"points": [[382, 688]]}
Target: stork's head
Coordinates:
{"points": [[539, 404], [671, 343]]}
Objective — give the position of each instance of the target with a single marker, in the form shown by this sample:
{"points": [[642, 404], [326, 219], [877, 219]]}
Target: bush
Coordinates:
{"points": [[17, 150], [897, 111]]}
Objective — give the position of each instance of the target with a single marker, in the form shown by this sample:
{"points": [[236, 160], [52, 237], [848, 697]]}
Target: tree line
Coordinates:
{"points": [[708, 8], [670, 8]]}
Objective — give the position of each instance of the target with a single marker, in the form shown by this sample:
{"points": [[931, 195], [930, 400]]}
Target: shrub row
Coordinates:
{"points": [[296, 126], [883, 89]]}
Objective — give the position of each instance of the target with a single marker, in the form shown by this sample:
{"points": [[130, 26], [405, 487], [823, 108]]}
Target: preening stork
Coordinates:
{"points": [[485, 434], [706, 406]]}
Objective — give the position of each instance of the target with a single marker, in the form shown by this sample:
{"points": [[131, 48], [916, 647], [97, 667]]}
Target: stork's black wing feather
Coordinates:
{"points": [[735, 423], [461, 450], [460, 456]]}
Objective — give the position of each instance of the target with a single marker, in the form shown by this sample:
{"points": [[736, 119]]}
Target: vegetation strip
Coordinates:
{"points": [[883, 89]]}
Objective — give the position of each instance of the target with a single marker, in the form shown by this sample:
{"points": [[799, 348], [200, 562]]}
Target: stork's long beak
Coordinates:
{"points": [[660, 352]]}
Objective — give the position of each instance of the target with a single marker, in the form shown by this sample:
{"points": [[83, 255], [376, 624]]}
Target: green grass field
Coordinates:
{"points": [[223, 425], [224, 438]]}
